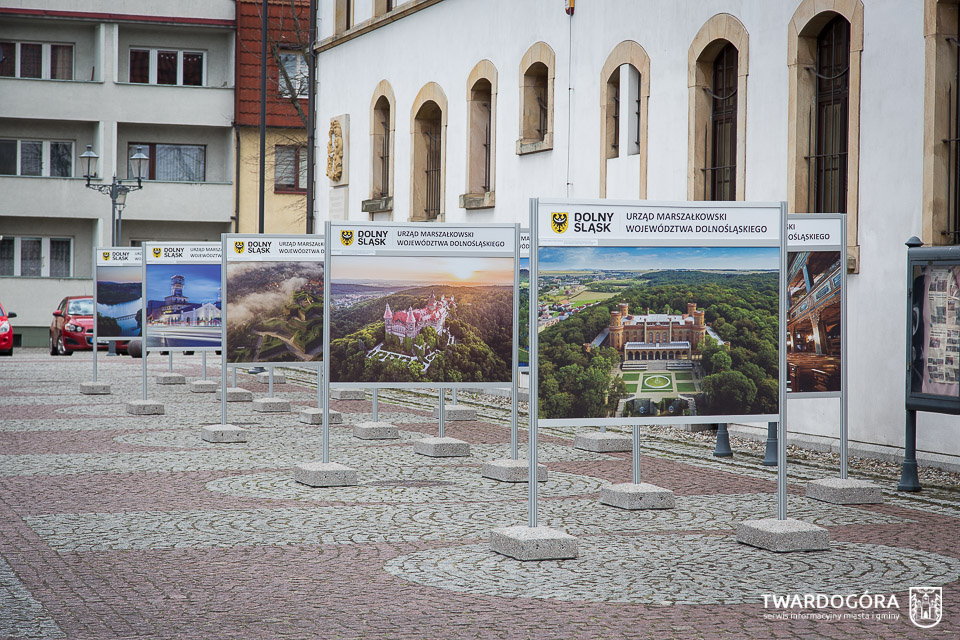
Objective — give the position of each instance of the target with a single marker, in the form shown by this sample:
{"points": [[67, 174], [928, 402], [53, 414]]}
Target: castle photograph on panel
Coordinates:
{"points": [[665, 331], [183, 305], [421, 319], [274, 311], [813, 321], [119, 301]]}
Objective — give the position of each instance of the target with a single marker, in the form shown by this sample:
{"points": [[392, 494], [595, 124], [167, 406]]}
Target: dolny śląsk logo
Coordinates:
{"points": [[558, 220], [346, 238]]}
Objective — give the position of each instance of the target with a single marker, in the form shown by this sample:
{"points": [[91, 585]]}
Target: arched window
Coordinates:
{"points": [[941, 131], [481, 137], [824, 50], [828, 165], [382, 130], [718, 61], [428, 150], [537, 70], [625, 78]]}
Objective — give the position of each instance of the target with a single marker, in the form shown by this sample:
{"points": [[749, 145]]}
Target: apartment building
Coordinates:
{"points": [[117, 77]]}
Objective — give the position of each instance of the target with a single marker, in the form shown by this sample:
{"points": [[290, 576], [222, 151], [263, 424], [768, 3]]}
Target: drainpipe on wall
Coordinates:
{"points": [[311, 118], [569, 11], [236, 179]]}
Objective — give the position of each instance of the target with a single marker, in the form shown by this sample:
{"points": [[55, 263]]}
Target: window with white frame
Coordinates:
{"points": [[290, 168], [167, 66], [36, 257], [293, 76], [49, 158], [171, 162], [41, 60]]}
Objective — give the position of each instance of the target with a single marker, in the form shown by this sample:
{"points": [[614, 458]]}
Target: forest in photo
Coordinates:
{"points": [[739, 376], [274, 311]]}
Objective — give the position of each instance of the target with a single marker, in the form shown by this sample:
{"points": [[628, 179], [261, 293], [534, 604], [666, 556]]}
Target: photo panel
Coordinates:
{"points": [[416, 305], [118, 293], [182, 287], [816, 258], [273, 286], [658, 313]]}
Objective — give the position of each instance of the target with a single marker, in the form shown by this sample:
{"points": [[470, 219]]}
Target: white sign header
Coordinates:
{"points": [[424, 238], [807, 231], [273, 248], [183, 252], [576, 223], [119, 257]]}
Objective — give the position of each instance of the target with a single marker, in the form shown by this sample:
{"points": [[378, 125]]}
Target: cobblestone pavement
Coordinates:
{"points": [[120, 526]]}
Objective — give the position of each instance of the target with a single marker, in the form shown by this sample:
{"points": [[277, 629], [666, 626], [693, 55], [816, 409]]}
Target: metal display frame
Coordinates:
{"points": [[843, 393], [97, 252], [332, 229], [636, 422]]}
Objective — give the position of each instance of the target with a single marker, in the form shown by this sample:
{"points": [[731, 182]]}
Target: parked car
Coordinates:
{"points": [[6, 332], [72, 326]]}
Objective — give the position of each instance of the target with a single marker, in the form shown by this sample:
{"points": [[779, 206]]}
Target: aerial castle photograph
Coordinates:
{"points": [[657, 331], [421, 319]]}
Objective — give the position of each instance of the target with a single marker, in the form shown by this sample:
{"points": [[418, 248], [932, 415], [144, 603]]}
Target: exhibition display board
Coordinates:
{"points": [[273, 299], [816, 315], [658, 313], [182, 295], [118, 294], [418, 305]]}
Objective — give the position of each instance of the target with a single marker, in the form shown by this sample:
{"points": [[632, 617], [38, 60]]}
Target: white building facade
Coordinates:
{"points": [[115, 75], [460, 111]]}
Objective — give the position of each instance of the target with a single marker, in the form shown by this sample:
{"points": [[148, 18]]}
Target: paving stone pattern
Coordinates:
{"points": [[119, 526]]}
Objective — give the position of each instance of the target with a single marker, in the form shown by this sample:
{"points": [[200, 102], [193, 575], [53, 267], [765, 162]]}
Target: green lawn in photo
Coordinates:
{"points": [[631, 388], [523, 355], [686, 387], [631, 377], [656, 382], [682, 375], [586, 297]]}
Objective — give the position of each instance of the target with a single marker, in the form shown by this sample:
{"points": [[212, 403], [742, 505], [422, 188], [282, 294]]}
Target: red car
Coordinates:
{"points": [[72, 326], [6, 332]]}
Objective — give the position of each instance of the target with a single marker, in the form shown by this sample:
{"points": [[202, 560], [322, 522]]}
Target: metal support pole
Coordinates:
{"points": [[94, 351], [770, 456], [234, 383], [782, 371], [453, 396], [170, 361], [534, 370], [376, 407], [722, 450], [270, 382], [440, 411], [636, 454], [326, 344], [144, 359], [223, 380], [909, 479], [319, 388], [203, 363], [844, 362]]}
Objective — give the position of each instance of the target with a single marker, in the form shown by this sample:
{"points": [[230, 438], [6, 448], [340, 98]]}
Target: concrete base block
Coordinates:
{"points": [[94, 388], [171, 378], [346, 394], [271, 405], [278, 378], [846, 491], [223, 433], [237, 394], [204, 386], [375, 431], [145, 408], [315, 416], [637, 496], [509, 470], [783, 536], [603, 442], [533, 543], [455, 412], [441, 447], [325, 474]]}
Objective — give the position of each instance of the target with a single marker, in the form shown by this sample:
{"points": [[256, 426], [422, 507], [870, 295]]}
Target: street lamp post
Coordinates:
{"points": [[117, 189]]}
